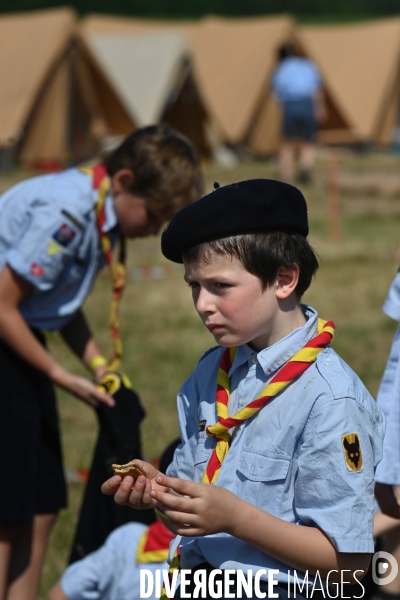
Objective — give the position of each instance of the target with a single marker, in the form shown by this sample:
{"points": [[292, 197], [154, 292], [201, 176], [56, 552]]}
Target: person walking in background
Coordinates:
{"points": [[297, 85], [56, 232]]}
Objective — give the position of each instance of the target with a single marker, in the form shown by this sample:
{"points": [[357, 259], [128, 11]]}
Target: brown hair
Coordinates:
{"points": [[286, 50], [262, 254], [165, 165]]}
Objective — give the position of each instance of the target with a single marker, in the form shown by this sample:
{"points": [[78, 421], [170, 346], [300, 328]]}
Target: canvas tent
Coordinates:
{"points": [[152, 76], [233, 60], [360, 64], [33, 50], [46, 110]]}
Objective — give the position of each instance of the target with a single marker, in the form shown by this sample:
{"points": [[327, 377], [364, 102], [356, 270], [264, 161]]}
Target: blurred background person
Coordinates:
{"points": [[119, 438], [387, 488], [387, 534], [113, 571], [56, 232], [297, 86]]}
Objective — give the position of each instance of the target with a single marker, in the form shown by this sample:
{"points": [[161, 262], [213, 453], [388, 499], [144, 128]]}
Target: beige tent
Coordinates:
{"points": [[46, 109], [233, 62], [152, 75], [32, 46], [360, 64]]}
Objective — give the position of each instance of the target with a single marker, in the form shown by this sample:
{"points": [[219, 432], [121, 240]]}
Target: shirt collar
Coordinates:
{"points": [[111, 217], [275, 356]]}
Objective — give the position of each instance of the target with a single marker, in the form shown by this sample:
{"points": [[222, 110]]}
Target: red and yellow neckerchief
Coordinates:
{"points": [[101, 183], [154, 544], [174, 566], [294, 367]]}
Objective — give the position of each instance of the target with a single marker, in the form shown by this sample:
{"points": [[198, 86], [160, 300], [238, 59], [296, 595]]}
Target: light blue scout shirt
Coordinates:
{"points": [[295, 78], [111, 572], [388, 397], [290, 459], [49, 236]]}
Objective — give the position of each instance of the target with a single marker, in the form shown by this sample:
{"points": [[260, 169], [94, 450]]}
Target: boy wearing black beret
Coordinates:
{"points": [[274, 477]]}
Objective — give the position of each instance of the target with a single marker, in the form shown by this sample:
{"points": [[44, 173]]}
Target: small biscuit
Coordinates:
{"points": [[131, 468]]}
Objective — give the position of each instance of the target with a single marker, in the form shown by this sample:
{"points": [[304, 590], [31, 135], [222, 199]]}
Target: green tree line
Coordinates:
{"points": [[314, 9]]}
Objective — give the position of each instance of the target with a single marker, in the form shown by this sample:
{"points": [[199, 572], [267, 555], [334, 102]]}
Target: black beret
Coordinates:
{"points": [[249, 206]]}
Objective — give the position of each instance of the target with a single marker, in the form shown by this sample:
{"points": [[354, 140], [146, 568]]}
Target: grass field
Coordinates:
{"points": [[163, 337]]}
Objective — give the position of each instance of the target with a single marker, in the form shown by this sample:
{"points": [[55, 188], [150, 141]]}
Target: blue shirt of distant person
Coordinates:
{"points": [[296, 83]]}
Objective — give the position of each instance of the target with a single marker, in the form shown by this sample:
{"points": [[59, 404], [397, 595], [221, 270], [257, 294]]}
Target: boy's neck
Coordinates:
{"points": [[287, 320]]}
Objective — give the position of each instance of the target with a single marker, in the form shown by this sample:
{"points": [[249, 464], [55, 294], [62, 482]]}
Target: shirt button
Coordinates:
{"points": [[327, 362], [255, 359]]}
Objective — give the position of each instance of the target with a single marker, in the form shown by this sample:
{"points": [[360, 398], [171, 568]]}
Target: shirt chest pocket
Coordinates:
{"points": [[203, 453], [264, 477]]}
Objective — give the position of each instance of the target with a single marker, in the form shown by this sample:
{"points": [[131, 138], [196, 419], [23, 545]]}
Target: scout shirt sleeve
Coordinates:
{"points": [[391, 306], [98, 575], [80, 581], [48, 240], [339, 449], [388, 400]]}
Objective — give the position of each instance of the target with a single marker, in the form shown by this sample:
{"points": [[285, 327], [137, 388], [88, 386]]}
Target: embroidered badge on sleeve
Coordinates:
{"points": [[53, 248], [45, 259], [36, 270], [51, 255], [352, 451], [64, 235]]}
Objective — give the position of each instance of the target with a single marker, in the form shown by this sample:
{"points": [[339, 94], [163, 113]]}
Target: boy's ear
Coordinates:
{"points": [[122, 180], [286, 281]]}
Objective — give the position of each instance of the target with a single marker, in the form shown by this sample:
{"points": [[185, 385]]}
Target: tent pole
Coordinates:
{"points": [[334, 234]]}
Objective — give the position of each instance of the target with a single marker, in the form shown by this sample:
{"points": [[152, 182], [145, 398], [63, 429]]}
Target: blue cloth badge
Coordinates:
{"points": [[64, 235]]}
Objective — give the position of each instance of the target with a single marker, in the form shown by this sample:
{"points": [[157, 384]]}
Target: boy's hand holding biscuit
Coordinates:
{"points": [[132, 468], [132, 483], [197, 509]]}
